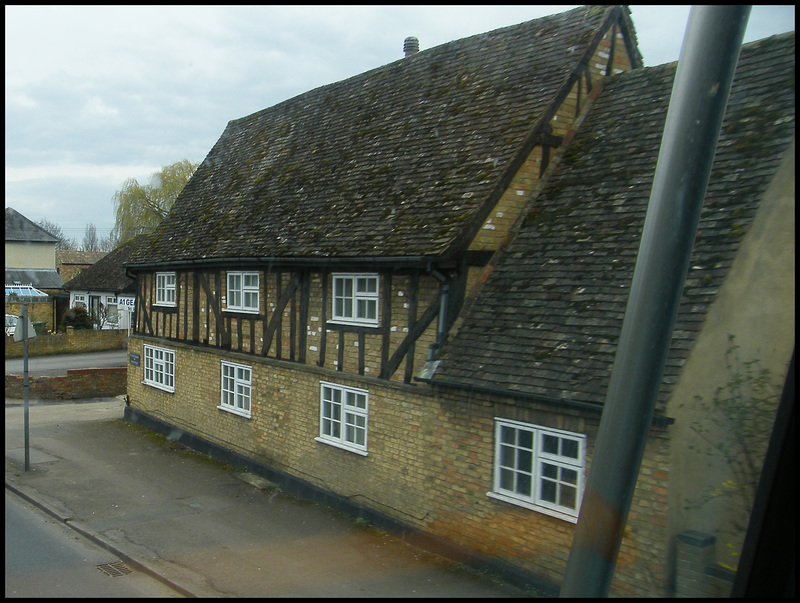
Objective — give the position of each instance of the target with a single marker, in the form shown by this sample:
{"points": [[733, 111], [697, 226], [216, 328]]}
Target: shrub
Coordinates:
{"points": [[78, 318]]}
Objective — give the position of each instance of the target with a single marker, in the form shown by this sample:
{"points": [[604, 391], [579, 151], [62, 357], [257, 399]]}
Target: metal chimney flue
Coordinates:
{"points": [[411, 46]]}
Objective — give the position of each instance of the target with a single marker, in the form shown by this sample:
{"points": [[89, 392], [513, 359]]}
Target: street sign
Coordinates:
{"points": [[126, 303], [18, 331]]}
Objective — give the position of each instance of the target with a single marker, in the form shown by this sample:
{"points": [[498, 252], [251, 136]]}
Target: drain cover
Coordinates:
{"points": [[115, 569]]}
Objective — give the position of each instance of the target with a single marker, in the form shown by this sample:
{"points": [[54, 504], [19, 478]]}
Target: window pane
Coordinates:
{"points": [[506, 456], [507, 479], [568, 497], [524, 460], [550, 444], [508, 435], [549, 471], [569, 448], [569, 476], [548, 492], [367, 309], [526, 438], [523, 484], [367, 285]]}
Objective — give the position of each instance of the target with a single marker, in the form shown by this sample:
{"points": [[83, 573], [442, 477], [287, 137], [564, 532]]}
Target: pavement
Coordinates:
{"points": [[204, 528]]}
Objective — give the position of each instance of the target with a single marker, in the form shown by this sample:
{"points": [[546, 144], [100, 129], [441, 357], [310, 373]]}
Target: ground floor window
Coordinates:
{"points": [[237, 384], [539, 467], [343, 417], [159, 368]]}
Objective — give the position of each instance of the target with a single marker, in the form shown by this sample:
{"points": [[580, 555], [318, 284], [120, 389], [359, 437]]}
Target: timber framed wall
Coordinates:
{"points": [[293, 322]]}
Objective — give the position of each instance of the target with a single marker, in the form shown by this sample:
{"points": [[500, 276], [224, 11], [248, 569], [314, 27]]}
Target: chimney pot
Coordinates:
{"points": [[411, 46]]}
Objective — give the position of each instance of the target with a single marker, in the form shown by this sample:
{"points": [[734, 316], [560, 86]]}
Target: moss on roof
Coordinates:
{"points": [[397, 161], [548, 319]]}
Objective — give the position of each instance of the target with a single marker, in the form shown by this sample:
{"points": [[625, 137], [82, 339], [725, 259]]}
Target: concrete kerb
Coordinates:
{"points": [[99, 540]]}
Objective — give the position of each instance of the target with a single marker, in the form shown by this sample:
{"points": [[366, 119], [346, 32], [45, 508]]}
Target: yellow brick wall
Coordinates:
{"points": [[429, 462], [285, 420]]}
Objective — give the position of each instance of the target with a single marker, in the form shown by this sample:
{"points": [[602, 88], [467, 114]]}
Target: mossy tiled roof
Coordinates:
{"points": [[548, 319], [401, 161], [108, 273]]}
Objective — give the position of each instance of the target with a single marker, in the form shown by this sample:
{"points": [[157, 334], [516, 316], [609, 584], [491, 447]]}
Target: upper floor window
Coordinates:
{"points": [[237, 384], [539, 468], [159, 368], [343, 417], [355, 299], [165, 288], [243, 291]]}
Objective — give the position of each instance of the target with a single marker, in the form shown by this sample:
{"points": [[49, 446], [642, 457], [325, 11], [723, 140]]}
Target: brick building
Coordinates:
{"points": [[402, 292]]}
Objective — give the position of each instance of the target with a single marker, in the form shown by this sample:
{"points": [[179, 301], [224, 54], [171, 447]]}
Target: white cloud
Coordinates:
{"points": [[113, 174], [96, 95], [20, 99], [95, 107]]}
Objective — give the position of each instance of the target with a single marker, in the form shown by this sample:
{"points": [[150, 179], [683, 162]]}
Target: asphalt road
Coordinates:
{"points": [[45, 558], [57, 365]]}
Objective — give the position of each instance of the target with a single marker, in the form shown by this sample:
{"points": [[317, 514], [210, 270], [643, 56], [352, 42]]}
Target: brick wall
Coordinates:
{"points": [[43, 311], [73, 341], [696, 572], [429, 463], [285, 422], [77, 384]]}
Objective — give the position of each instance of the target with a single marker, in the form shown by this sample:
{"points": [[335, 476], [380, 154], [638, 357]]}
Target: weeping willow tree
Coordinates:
{"points": [[140, 208]]}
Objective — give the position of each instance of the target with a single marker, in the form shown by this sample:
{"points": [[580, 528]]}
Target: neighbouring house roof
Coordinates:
{"points": [[403, 161], [70, 262], [81, 258], [548, 319], [108, 273], [21, 229], [41, 278]]}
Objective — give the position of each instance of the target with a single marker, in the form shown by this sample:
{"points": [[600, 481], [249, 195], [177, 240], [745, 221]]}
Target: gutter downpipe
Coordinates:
{"points": [[441, 334], [700, 93]]}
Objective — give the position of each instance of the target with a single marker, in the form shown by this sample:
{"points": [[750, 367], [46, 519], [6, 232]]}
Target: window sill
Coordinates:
{"points": [[353, 323], [533, 507], [241, 311], [236, 411], [336, 444], [163, 388]]}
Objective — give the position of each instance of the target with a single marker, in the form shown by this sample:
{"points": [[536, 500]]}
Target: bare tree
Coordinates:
{"points": [[90, 240], [55, 230]]}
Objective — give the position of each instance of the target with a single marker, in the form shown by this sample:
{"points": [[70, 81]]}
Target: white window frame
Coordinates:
{"points": [[342, 418], [159, 368], [165, 289], [351, 304], [545, 468], [241, 296], [236, 388], [112, 312], [79, 300]]}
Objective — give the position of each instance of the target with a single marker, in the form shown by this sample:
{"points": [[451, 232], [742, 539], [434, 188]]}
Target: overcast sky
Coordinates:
{"points": [[98, 95]]}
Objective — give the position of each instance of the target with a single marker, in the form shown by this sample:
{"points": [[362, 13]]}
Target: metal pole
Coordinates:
{"points": [[700, 92], [24, 319]]}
